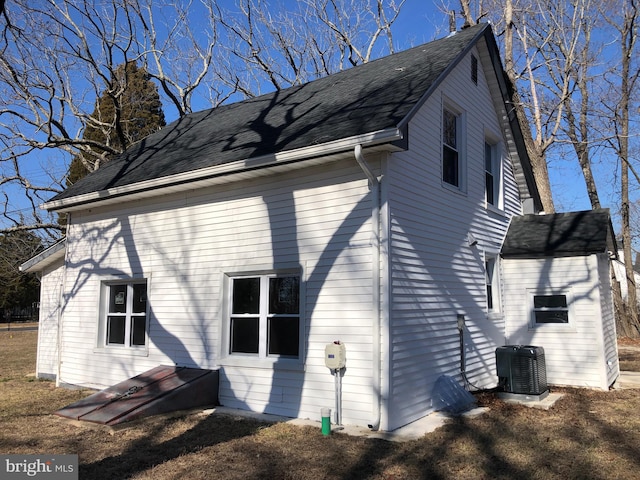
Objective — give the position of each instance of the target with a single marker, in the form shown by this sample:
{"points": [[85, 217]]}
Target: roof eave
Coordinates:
{"points": [[51, 255], [392, 138]]}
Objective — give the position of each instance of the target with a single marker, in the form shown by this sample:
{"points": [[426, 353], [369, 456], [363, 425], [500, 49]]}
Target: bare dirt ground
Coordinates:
{"points": [[586, 435], [629, 354]]}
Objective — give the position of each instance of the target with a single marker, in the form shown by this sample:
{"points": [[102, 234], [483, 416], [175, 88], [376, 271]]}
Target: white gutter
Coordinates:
{"points": [[206, 174], [374, 184]]}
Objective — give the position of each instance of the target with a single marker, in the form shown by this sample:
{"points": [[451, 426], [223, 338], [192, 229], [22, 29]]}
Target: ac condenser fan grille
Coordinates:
{"points": [[522, 369]]}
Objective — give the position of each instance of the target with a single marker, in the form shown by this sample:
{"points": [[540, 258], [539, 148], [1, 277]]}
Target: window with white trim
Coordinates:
{"points": [[123, 322], [550, 309], [265, 315], [451, 147], [492, 283], [491, 176]]}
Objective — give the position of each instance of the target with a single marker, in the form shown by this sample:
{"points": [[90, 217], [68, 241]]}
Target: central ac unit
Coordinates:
{"points": [[521, 369]]}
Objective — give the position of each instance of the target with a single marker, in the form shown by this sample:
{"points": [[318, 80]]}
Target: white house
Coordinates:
{"points": [[366, 207]]}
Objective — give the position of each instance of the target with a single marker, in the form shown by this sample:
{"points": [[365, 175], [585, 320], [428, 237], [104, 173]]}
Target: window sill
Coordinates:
{"points": [[122, 351], [552, 328], [495, 210], [453, 189], [247, 361]]}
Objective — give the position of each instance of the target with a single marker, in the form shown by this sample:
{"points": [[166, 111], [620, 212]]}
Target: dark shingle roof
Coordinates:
{"points": [[559, 234], [372, 97]]}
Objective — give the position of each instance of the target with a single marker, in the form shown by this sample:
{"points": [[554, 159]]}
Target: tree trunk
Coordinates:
{"points": [[622, 119], [536, 155]]}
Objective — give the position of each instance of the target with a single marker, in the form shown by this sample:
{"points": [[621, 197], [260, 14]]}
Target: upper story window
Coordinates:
{"points": [[265, 315], [491, 174], [451, 130], [474, 69], [124, 319]]}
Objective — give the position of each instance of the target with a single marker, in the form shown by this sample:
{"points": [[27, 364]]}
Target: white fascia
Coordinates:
{"points": [[204, 176]]}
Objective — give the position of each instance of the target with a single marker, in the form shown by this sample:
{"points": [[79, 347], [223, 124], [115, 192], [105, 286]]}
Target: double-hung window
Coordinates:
{"points": [[450, 147], [492, 284], [490, 174], [125, 315], [265, 315]]}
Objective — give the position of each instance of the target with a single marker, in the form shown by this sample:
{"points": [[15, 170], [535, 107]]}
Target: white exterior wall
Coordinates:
{"points": [[435, 273], [317, 220], [50, 298], [609, 335], [576, 353]]}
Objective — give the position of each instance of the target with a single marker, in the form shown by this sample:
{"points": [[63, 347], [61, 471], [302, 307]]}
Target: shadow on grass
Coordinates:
{"points": [[575, 441], [587, 435], [147, 452]]}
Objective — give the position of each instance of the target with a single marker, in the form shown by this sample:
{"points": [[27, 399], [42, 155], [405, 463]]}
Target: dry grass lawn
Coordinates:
{"points": [[587, 435]]}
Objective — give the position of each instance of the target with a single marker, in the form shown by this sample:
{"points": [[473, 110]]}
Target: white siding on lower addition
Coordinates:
{"points": [[575, 352], [50, 298], [316, 220], [609, 335], [435, 274]]}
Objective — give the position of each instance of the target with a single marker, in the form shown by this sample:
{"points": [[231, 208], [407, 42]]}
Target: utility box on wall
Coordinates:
{"points": [[335, 355], [521, 369]]}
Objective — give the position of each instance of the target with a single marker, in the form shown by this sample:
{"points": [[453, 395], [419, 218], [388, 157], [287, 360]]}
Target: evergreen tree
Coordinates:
{"points": [[126, 112]]}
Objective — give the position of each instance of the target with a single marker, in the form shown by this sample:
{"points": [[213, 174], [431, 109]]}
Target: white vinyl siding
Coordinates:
{"points": [[576, 353], [50, 301], [435, 273], [316, 222], [609, 336]]}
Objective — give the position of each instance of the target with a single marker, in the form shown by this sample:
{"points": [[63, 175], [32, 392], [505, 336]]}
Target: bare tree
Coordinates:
{"points": [[57, 57], [625, 19], [274, 48], [54, 63], [522, 50], [578, 128]]}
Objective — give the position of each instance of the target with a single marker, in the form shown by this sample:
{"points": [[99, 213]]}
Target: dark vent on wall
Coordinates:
{"points": [[474, 69]]}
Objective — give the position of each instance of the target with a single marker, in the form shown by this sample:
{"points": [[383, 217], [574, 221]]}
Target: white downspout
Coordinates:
{"points": [[61, 303], [374, 185]]}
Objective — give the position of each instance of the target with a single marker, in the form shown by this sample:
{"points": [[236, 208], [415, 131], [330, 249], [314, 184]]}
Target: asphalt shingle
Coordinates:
{"points": [[364, 99], [560, 234]]}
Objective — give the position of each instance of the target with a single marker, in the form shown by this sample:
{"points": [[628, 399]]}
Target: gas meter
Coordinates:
{"points": [[335, 355]]}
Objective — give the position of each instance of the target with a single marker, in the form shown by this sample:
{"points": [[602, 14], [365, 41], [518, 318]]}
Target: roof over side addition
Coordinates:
{"points": [[559, 234]]}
